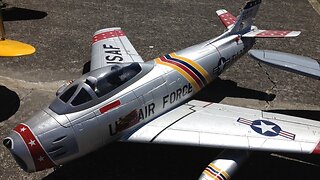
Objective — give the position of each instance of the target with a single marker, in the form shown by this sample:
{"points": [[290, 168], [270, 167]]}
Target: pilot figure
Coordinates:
{"points": [[92, 82]]}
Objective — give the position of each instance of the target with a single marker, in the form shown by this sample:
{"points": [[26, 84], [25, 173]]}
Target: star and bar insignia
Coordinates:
{"points": [[266, 128]]}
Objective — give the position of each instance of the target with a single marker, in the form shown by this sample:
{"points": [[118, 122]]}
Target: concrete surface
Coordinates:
{"points": [[62, 31]]}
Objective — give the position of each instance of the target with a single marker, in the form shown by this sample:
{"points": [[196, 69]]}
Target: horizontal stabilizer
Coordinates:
{"points": [[290, 62], [271, 34], [226, 18]]}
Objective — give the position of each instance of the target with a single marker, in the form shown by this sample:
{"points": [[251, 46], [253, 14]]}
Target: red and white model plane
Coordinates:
{"points": [[123, 98]]}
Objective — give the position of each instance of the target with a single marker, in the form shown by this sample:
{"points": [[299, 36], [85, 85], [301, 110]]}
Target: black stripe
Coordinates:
{"points": [[217, 172], [204, 81]]}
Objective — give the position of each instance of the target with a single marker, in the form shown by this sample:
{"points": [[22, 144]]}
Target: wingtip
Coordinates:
{"points": [[221, 11], [107, 30], [256, 54], [294, 33]]}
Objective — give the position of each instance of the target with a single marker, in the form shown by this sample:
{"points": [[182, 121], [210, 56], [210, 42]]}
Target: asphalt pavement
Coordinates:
{"points": [[62, 31]]}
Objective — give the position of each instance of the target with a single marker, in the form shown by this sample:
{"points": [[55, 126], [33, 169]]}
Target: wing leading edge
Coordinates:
{"points": [[290, 62], [111, 46], [205, 124]]}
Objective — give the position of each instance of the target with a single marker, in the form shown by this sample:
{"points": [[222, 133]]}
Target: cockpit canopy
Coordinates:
{"points": [[97, 86]]}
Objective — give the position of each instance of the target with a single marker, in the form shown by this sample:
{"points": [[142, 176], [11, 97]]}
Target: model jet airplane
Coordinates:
{"points": [[123, 98]]}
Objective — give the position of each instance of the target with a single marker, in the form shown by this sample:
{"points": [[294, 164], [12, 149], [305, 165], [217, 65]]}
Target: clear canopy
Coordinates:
{"points": [[97, 86], [101, 84]]}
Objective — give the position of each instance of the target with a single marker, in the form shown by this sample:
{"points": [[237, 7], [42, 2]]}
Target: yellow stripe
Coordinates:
{"points": [[194, 64], [210, 175], [182, 72], [219, 170]]}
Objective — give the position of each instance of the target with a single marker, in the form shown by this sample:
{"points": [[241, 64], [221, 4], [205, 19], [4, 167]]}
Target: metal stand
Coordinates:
{"points": [[2, 31], [10, 48]]}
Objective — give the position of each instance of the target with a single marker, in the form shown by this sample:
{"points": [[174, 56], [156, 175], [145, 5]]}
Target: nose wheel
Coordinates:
{"points": [[12, 48]]}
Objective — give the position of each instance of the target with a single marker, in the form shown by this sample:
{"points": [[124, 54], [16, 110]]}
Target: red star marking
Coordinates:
{"points": [[40, 158]]}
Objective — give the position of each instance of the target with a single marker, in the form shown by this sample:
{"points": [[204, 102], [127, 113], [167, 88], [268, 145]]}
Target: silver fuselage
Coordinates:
{"points": [[167, 84]]}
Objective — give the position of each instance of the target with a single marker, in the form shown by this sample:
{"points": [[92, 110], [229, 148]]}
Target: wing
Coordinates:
{"points": [[226, 18], [271, 34], [215, 125], [111, 45], [290, 62]]}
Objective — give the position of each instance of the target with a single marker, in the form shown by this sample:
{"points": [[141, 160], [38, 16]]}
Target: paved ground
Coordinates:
{"points": [[62, 30]]}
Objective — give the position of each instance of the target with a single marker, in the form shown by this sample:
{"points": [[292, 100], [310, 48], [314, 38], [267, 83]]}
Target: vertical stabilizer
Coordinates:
{"points": [[246, 17]]}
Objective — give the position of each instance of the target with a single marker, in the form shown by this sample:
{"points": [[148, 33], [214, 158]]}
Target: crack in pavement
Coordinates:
{"points": [[274, 85]]}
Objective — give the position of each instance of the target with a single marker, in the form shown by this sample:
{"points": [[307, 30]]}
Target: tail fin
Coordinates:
{"points": [[246, 17], [243, 23]]}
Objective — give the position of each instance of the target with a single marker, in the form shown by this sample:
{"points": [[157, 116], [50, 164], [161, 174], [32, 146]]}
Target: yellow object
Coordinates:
{"points": [[10, 48]]}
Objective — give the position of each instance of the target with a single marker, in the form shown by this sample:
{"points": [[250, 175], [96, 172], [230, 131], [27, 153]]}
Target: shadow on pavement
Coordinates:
{"points": [[9, 103], [152, 161], [219, 89], [15, 14], [138, 161], [309, 114]]}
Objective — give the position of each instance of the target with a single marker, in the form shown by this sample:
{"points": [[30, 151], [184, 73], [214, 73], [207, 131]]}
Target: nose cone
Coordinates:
{"points": [[42, 142], [25, 146], [27, 150]]}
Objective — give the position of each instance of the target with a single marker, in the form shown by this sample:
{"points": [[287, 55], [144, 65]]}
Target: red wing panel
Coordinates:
{"points": [[106, 35], [271, 34], [226, 18]]}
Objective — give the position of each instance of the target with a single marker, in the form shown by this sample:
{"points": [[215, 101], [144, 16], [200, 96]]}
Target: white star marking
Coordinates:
{"points": [[221, 67], [32, 142], [41, 158], [23, 129], [264, 127]]}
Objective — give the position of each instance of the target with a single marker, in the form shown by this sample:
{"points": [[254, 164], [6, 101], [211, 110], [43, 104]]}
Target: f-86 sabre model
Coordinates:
{"points": [[123, 98]]}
